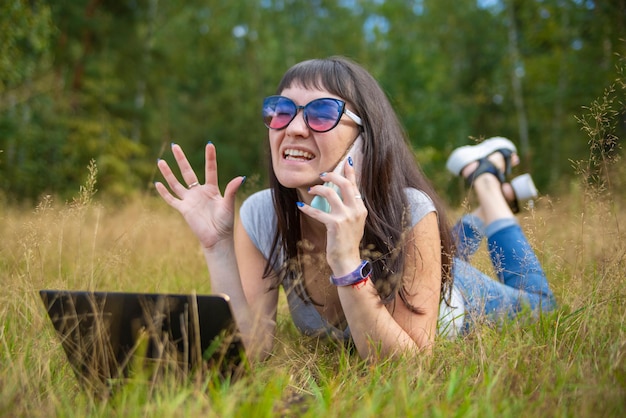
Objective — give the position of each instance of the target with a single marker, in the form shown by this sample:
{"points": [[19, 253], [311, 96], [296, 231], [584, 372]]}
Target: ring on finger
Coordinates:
{"points": [[195, 183]]}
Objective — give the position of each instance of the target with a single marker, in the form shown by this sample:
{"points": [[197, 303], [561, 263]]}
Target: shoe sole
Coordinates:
{"points": [[467, 154], [524, 187]]}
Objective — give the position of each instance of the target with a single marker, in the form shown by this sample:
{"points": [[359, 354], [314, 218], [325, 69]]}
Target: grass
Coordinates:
{"points": [[571, 362]]}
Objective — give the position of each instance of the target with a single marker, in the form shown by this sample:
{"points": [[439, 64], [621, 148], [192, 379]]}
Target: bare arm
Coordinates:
{"points": [[376, 330], [211, 218], [261, 296], [254, 306]]}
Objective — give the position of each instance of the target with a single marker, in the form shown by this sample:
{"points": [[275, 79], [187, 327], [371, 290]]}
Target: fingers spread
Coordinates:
{"points": [[169, 177], [189, 176], [166, 195]]}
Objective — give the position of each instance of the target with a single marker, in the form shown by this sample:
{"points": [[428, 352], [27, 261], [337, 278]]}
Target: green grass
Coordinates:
{"points": [[569, 363]]}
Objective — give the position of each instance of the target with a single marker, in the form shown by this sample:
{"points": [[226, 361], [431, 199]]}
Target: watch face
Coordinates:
{"points": [[366, 270]]}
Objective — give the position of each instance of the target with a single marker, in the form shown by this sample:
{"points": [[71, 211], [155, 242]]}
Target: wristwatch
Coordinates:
{"points": [[361, 273]]}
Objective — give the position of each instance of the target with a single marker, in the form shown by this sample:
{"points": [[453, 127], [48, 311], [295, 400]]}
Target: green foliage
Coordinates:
{"points": [[119, 81], [25, 32]]}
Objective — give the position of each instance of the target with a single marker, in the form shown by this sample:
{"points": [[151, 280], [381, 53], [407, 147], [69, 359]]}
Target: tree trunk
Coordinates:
{"points": [[517, 73]]}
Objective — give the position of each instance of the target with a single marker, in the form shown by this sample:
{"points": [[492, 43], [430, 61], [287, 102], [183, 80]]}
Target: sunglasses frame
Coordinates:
{"points": [[343, 110]]}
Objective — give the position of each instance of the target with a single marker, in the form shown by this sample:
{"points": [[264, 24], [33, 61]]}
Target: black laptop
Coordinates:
{"points": [[109, 337]]}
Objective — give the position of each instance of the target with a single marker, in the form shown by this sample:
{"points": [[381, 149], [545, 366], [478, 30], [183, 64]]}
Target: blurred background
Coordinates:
{"points": [[117, 81]]}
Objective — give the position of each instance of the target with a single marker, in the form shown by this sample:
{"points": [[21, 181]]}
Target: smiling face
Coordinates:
{"points": [[300, 155]]}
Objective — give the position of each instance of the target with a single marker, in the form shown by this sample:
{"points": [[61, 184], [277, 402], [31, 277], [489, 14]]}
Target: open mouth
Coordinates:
{"points": [[297, 155]]}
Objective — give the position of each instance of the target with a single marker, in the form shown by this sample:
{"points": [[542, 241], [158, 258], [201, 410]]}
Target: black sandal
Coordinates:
{"points": [[485, 166], [507, 154]]}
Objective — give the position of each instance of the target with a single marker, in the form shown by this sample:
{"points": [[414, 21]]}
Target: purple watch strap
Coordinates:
{"points": [[361, 272]]}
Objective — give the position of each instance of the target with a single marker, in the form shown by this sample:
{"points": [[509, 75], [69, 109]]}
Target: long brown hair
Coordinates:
{"points": [[387, 169]]}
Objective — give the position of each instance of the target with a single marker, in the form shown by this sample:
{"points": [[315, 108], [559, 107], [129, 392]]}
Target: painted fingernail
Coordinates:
{"points": [[300, 204], [209, 142], [243, 180], [350, 161], [323, 174]]}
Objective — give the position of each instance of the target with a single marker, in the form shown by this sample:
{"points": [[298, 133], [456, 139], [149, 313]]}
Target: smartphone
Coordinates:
{"points": [[356, 152]]}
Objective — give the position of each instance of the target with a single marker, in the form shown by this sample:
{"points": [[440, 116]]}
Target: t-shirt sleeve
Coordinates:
{"points": [[258, 218], [420, 205]]}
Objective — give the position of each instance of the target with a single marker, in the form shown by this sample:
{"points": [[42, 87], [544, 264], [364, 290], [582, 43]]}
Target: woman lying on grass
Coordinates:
{"points": [[352, 229]]}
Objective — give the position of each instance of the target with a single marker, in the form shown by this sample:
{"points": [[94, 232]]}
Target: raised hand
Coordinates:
{"points": [[209, 214]]}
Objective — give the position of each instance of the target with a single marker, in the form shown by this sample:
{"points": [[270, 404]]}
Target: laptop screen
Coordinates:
{"points": [[110, 336]]}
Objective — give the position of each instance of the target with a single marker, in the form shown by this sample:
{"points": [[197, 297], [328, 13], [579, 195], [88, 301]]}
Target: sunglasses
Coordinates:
{"points": [[320, 115]]}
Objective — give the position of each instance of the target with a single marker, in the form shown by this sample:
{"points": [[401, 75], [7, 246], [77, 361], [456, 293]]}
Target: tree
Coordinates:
{"points": [[119, 81]]}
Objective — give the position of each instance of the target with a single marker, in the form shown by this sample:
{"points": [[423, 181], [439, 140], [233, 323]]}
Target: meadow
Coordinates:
{"points": [[568, 363], [572, 362]]}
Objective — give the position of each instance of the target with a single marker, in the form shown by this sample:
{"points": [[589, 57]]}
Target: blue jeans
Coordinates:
{"points": [[521, 280]]}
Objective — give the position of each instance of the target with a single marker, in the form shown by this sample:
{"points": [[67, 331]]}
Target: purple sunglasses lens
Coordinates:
{"points": [[321, 115]]}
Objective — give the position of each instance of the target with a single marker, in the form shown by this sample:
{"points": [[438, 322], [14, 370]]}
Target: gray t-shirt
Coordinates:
{"points": [[259, 220]]}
